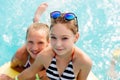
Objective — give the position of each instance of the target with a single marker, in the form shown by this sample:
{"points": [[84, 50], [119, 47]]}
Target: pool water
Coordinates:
{"points": [[99, 28]]}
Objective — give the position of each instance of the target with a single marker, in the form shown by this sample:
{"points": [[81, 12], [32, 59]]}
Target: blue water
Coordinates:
{"points": [[99, 27]]}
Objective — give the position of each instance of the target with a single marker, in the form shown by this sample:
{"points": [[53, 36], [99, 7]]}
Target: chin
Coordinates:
{"points": [[60, 54]]}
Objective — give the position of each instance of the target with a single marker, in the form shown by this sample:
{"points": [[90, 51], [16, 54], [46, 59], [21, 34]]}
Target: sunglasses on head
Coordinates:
{"points": [[67, 16]]}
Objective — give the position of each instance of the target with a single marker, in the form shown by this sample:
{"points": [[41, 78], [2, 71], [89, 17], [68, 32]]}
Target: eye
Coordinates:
{"points": [[52, 37], [30, 42], [65, 38], [40, 42]]}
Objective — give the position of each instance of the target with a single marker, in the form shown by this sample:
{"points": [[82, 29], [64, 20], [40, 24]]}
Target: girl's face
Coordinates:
{"points": [[36, 41], [62, 39]]}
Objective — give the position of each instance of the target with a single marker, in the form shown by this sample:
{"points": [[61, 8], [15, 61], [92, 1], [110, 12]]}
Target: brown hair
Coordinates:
{"points": [[38, 26], [72, 24]]}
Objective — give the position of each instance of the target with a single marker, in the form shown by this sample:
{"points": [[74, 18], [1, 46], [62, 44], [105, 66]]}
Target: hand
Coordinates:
{"points": [[5, 77], [42, 75]]}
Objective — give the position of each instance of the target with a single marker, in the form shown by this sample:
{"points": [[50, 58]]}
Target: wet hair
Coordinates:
{"points": [[70, 24], [38, 26]]}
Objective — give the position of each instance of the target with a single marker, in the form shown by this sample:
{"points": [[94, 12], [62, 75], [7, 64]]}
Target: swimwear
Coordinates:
{"points": [[53, 74], [27, 64]]}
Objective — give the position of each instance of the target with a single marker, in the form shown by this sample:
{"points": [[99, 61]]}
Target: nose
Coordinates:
{"points": [[35, 47], [58, 43]]}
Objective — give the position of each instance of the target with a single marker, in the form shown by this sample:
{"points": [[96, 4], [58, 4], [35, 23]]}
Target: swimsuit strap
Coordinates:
{"points": [[27, 64], [73, 53]]}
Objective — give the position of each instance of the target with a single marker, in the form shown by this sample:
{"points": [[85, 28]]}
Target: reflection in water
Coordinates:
{"points": [[99, 27]]}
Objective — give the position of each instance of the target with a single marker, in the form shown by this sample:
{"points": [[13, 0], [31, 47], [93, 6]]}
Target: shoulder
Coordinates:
{"points": [[82, 58], [82, 64], [21, 56], [22, 53]]}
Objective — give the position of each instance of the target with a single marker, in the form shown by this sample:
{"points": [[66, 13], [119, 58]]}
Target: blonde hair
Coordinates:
{"points": [[38, 26], [72, 24]]}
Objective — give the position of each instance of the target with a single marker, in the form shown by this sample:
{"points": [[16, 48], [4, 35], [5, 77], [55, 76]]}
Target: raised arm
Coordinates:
{"points": [[40, 11]]}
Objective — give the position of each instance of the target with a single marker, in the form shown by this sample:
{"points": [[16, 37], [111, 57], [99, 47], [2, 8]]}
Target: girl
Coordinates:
{"points": [[35, 43], [62, 59]]}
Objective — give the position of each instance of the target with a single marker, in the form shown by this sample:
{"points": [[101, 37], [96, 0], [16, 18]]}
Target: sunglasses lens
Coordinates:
{"points": [[69, 16], [55, 14]]}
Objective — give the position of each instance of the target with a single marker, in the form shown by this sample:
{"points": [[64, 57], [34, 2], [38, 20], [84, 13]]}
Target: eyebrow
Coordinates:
{"points": [[62, 35]]}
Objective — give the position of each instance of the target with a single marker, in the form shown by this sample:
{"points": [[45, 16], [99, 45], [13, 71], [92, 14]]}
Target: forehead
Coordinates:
{"points": [[34, 32], [61, 29]]}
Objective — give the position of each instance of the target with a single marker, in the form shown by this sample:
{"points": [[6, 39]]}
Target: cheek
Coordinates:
{"points": [[69, 43], [40, 47], [28, 45], [52, 41], [28, 49], [46, 43]]}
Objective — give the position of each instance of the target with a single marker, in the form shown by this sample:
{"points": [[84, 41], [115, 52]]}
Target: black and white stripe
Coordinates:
{"points": [[53, 74]]}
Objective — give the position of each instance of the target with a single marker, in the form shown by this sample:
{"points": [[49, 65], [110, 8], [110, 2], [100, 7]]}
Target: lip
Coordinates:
{"points": [[35, 53], [59, 49]]}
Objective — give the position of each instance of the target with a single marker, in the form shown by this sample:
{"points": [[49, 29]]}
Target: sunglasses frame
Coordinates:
{"points": [[59, 14]]}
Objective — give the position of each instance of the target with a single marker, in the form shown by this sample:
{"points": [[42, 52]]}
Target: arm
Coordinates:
{"points": [[42, 75], [5, 77], [85, 69], [30, 72], [19, 59], [83, 73], [40, 11]]}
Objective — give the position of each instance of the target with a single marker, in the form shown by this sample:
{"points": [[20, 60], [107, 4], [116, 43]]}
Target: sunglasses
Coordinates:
{"points": [[67, 16]]}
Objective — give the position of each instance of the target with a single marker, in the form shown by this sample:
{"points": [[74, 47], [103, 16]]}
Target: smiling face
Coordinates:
{"points": [[63, 34], [36, 40], [62, 39]]}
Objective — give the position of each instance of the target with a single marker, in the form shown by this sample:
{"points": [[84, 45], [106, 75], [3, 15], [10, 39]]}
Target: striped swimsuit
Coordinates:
{"points": [[27, 64], [53, 74]]}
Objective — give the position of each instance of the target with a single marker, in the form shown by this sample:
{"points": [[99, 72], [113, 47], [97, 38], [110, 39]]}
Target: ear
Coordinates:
{"points": [[76, 37]]}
